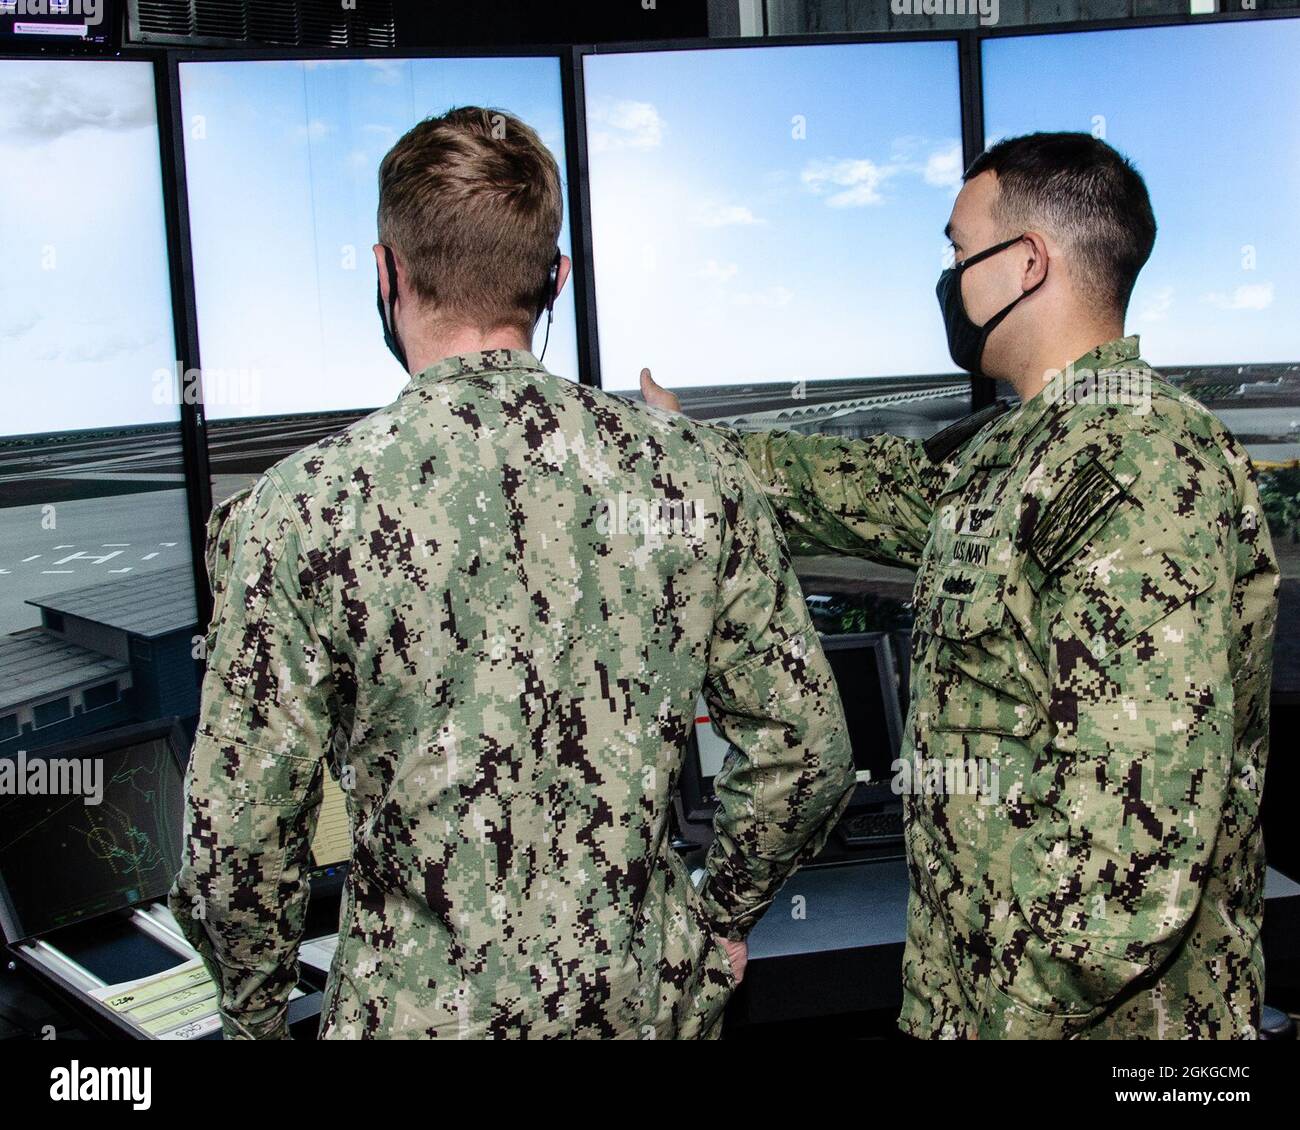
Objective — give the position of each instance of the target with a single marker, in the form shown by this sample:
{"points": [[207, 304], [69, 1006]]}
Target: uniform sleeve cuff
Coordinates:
{"points": [[265, 1024]]}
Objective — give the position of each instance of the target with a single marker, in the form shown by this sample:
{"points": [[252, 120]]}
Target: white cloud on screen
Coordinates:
{"points": [[1248, 296], [15, 323], [722, 275], [858, 181], [384, 72], [715, 214], [387, 72], [43, 105], [937, 162], [713, 271], [943, 167], [770, 297], [94, 344], [1155, 306], [314, 130], [624, 124]]}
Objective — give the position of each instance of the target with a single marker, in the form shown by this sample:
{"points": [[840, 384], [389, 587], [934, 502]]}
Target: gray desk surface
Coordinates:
{"points": [[861, 905], [843, 907]]}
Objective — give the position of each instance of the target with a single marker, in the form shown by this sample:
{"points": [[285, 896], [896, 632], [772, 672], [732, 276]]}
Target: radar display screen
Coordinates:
{"points": [[86, 833]]}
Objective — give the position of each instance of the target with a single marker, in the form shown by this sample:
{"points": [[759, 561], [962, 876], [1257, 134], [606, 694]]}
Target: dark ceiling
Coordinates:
{"points": [[422, 23]]}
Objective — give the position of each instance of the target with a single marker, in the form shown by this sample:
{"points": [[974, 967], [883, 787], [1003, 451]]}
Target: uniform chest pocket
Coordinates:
{"points": [[976, 684]]}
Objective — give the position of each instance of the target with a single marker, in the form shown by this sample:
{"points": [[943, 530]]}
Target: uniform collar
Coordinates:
{"points": [[473, 364], [1114, 354]]}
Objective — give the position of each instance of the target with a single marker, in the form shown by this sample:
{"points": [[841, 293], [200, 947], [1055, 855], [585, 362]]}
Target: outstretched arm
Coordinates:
{"points": [[862, 497]]}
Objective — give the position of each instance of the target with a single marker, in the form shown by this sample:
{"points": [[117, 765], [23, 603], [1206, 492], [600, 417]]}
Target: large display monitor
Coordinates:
{"points": [[767, 230], [281, 163], [92, 491], [1217, 303]]}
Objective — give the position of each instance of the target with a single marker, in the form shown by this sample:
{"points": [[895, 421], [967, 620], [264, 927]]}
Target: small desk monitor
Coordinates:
{"points": [[863, 666], [90, 827]]}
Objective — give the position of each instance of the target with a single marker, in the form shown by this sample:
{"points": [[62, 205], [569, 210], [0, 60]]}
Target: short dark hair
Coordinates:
{"points": [[472, 202], [1085, 193]]}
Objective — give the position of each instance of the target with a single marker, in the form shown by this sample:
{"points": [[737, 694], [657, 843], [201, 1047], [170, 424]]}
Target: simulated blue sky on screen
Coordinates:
{"points": [[1208, 115], [85, 302], [728, 248], [282, 160]]}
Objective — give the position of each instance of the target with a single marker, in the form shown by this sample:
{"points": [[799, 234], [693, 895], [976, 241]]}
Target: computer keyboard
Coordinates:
{"points": [[864, 829]]}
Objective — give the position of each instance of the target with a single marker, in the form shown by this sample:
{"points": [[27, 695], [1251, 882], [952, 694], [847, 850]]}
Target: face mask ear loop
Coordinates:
{"points": [[392, 289], [391, 307], [997, 318], [988, 252]]}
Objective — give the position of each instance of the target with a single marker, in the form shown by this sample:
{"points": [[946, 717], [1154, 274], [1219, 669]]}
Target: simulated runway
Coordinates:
{"points": [[97, 539], [119, 506]]}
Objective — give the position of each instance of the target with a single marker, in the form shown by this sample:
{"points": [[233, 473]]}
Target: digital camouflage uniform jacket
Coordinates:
{"points": [[1095, 603], [489, 608]]}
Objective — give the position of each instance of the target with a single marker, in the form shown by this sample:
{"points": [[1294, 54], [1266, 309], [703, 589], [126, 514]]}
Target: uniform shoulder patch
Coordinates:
{"points": [[1076, 511]]}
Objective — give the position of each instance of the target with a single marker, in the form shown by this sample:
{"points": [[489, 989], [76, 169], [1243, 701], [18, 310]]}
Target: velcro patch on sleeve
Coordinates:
{"points": [[1075, 512]]}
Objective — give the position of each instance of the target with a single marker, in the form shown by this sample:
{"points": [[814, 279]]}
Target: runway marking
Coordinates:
{"points": [[149, 556], [168, 543], [112, 545], [97, 559], [33, 557], [65, 547], [58, 570], [126, 570]]}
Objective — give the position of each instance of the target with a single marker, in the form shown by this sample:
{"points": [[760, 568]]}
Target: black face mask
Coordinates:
{"points": [[966, 340], [386, 315]]}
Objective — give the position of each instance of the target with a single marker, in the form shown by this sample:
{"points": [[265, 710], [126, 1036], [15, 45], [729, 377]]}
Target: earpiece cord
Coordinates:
{"points": [[549, 296], [546, 340]]}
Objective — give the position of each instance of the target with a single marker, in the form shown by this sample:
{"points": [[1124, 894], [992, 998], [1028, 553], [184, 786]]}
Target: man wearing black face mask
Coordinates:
{"points": [[1095, 601]]}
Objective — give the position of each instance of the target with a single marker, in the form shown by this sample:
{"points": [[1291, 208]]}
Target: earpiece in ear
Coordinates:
{"points": [[552, 280]]}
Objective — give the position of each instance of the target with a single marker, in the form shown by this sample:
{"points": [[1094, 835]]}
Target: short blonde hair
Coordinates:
{"points": [[471, 202]]}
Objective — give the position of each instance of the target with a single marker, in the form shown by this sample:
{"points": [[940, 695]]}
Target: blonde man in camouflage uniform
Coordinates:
{"points": [[1095, 603], [448, 607]]}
